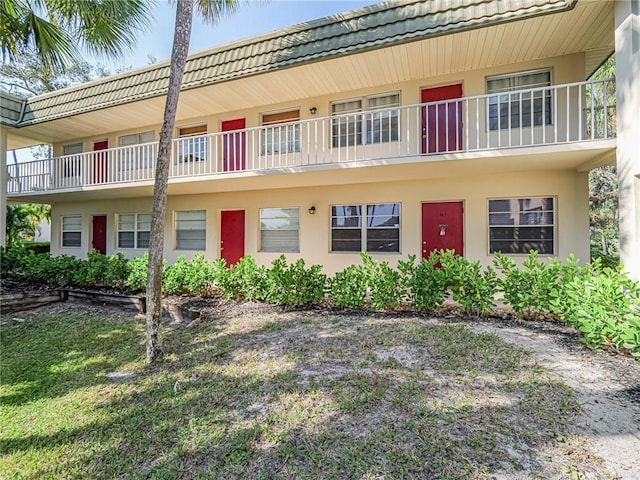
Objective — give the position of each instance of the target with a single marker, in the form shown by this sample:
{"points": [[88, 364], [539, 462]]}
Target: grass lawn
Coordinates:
{"points": [[299, 395]]}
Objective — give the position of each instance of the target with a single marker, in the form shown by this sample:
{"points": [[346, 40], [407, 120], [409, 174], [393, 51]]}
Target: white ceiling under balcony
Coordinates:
{"points": [[588, 28]]}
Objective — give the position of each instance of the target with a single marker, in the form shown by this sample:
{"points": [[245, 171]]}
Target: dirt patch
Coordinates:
{"points": [[607, 389]]}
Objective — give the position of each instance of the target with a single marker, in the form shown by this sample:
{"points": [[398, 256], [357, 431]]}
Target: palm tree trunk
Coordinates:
{"points": [[182, 35]]}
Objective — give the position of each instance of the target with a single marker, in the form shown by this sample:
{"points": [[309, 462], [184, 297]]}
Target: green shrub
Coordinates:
{"points": [[348, 288], [470, 285], [294, 284], [93, 272], [426, 285], [196, 276], [529, 288], [13, 262], [605, 306], [384, 283], [248, 280], [137, 273], [36, 247]]}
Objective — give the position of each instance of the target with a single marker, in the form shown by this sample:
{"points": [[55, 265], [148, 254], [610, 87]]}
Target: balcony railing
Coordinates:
{"points": [[577, 112]]}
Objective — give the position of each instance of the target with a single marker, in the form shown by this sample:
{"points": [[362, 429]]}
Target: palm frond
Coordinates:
{"points": [[213, 10]]}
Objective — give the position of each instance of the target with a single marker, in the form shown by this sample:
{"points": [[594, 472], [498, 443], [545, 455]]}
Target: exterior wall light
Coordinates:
{"points": [[312, 210], [313, 110]]}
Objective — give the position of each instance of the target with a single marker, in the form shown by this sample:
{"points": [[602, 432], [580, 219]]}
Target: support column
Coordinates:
{"points": [[3, 186], [627, 35]]}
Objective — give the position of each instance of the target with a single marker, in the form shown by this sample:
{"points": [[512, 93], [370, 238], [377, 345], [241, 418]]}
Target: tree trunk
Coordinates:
{"points": [[182, 35]]}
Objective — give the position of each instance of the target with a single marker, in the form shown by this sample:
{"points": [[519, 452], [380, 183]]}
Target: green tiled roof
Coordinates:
{"points": [[381, 25], [10, 108]]}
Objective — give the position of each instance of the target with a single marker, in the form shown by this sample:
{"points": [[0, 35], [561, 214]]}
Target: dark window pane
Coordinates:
{"points": [[346, 240], [521, 239], [383, 240], [71, 239], [125, 239], [190, 239], [143, 240]]}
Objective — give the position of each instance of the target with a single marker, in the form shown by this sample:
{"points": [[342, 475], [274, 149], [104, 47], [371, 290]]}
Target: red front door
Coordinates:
{"points": [[99, 238], [100, 162], [232, 236], [442, 123], [441, 227], [233, 145]]}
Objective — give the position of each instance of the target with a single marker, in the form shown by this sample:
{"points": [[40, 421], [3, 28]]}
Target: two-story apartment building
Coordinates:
{"points": [[396, 129]]}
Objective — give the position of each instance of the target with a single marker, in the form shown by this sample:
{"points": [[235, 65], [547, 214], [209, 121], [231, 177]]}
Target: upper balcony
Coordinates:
{"points": [[438, 131]]}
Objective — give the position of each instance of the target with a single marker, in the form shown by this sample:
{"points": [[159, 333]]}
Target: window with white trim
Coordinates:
{"points": [[519, 225], [378, 124], [191, 230], [281, 132], [371, 227], [71, 166], [192, 144], [280, 230], [141, 151], [72, 231], [515, 104], [134, 230]]}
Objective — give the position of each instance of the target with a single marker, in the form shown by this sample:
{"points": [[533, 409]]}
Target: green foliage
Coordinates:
{"points": [[243, 280], [60, 271], [137, 276], [425, 283], [37, 247], [534, 286], [294, 284], [603, 215], [55, 29], [348, 288], [604, 304], [384, 283], [470, 285], [22, 221], [196, 276]]}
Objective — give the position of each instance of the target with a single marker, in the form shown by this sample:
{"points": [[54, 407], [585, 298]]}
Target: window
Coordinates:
{"points": [[379, 124], [192, 149], [281, 134], [71, 166], [134, 230], [137, 157], [513, 108], [72, 231], [519, 225], [373, 227], [279, 229], [191, 230]]}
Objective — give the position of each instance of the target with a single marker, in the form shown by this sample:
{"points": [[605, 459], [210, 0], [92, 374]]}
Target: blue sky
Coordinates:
{"points": [[252, 18]]}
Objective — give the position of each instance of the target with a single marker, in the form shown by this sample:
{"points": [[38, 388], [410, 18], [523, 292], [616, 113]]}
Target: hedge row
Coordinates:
{"points": [[601, 302]]}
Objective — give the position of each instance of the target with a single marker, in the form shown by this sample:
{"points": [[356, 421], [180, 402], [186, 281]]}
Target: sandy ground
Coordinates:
{"points": [[608, 390]]}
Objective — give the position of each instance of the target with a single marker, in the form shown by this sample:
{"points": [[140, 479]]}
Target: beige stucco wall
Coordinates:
{"points": [[569, 188]]}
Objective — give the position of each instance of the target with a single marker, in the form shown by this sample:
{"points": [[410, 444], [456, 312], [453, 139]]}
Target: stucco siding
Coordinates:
{"points": [[569, 188]]}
